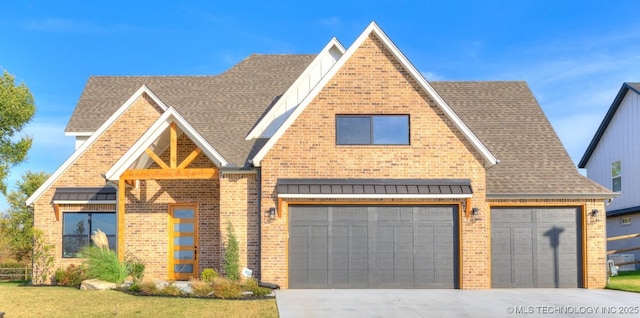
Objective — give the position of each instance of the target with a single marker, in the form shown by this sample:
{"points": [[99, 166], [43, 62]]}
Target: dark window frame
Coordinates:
{"points": [[87, 237], [372, 129]]}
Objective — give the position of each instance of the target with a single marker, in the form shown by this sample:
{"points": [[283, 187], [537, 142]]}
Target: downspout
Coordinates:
{"points": [[259, 183]]}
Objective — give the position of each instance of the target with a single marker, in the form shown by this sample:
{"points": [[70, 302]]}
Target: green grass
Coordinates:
{"points": [[50, 301], [627, 281]]}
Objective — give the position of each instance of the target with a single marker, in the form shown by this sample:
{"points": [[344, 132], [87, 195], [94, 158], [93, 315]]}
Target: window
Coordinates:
{"points": [[372, 129], [625, 220], [616, 178], [77, 229]]}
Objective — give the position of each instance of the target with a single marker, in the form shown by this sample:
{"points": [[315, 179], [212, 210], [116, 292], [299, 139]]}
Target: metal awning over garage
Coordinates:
{"points": [[106, 195], [374, 188]]}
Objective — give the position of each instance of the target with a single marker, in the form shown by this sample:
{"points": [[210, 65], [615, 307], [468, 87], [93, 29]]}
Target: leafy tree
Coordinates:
{"points": [[16, 226], [232, 255], [17, 107]]}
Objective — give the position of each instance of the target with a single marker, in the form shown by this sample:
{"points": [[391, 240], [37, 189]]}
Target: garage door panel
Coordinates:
{"points": [[373, 247], [543, 252]]}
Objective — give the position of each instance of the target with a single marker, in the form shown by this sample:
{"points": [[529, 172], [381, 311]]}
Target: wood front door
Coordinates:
{"points": [[183, 241]]}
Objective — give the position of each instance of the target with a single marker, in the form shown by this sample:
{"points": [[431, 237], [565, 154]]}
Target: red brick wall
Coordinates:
{"points": [[372, 82], [87, 169]]}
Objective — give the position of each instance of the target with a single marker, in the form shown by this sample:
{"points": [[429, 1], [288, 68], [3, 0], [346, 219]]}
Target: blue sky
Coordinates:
{"points": [[574, 55]]}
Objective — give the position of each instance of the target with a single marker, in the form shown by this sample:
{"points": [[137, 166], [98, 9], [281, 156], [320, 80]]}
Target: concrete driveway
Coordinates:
{"points": [[355, 303]]}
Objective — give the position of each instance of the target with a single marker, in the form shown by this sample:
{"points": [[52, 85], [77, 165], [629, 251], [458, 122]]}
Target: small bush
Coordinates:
{"points": [[252, 285], [208, 275], [232, 255], [201, 288], [226, 289], [135, 267], [135, 287], [170, 290], [148, 288], [103, 264], [72, 276]]}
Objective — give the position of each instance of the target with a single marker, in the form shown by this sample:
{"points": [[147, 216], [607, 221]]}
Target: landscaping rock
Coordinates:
{"points": [[95, 284]]}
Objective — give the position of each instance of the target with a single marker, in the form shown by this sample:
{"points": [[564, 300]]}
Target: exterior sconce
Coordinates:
{"points": [[271, 214], [475, 215], [595, 215]]}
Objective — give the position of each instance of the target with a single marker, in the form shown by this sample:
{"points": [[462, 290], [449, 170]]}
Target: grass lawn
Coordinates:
{"points": [[628, 281], [22, 301]]}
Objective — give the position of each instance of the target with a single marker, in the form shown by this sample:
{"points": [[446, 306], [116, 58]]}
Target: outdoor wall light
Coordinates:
{"points": [[595, 215], [475, 214], [271, 214]]}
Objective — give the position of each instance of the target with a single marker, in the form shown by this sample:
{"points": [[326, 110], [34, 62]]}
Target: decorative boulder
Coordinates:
{"points": [[95, 284]]}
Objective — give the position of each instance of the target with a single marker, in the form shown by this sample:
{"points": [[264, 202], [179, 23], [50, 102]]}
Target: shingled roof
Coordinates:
{"points": [[221, 108], [509, 121], [504, 115]]}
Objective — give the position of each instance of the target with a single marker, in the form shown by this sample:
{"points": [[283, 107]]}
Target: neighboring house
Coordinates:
{"points": [[345, 169], [612, 159]]}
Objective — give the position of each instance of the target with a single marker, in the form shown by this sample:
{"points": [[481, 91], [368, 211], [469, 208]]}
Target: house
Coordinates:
{"points": [[345, 169], [612, 160]]}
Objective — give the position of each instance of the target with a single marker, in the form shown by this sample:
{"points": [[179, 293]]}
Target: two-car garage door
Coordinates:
{"points": [[373, 247]]}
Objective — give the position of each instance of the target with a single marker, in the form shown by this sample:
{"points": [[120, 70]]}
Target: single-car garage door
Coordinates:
{"points": [[373, 247], [536, 247]]}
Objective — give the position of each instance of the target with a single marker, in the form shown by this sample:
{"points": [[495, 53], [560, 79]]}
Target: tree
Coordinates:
{"points": [[17, 107], [232, 255], [16, 225]]}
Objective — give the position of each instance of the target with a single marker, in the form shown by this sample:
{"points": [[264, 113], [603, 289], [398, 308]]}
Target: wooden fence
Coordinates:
{"points": [[15, 273], [624, 250]]}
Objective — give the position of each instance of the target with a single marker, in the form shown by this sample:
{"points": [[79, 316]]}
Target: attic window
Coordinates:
{"points": [[616, 177], [372, 129], [625, 220]]}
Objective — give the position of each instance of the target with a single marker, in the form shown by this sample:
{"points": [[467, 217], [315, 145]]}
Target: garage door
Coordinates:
{"points": [[373, 247], [536, 247]]}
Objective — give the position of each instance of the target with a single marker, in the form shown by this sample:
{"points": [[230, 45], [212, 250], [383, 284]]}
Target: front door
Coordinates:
{"points": [[183, 241]]}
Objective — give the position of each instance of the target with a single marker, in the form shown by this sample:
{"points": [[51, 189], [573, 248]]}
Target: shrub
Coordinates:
{"points": [[170, 290], [226, 289], [208, 275], [201, 288], [72, 276], [42, 259], [252, 285], [232, 255], [148, 288], [135, 267], [135, 287], [101, 262]]}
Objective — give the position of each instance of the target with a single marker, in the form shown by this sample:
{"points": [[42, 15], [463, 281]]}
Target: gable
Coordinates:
{"points": [[94, 157], [374, 30], [627, 88], [286, 104], [373, 82], [157, 139]]}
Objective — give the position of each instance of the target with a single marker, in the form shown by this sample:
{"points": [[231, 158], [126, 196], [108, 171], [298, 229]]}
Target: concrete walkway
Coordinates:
{"points": [[457, 303]]}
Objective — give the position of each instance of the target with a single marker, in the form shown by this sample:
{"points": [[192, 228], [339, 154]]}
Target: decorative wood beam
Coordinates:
{"points": [[120, 218], [189, 159], [131, 183], [167, 174], [467, 212], [156, 159], [56, 209], [173, 148]]}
